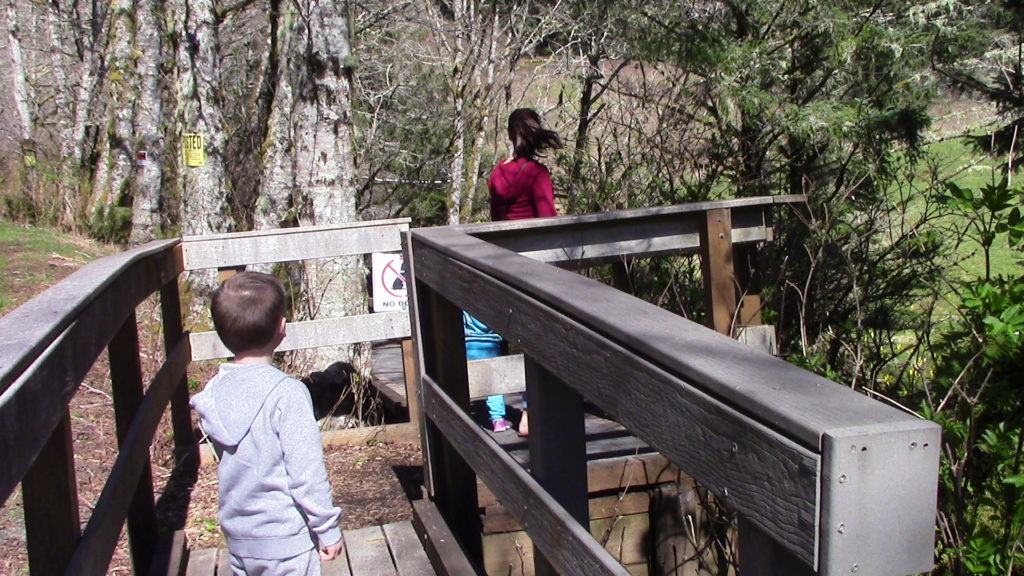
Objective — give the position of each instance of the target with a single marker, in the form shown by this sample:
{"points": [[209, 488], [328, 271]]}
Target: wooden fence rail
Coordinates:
{"points": [[824, 478], [46, 348], [49, 344]]}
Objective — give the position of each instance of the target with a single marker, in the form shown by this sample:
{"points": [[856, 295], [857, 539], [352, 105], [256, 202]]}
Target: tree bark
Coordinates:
{"points": [[324, 163], [202, 189], [116, 153], [274, 205], [148, 119], [22, 97]]}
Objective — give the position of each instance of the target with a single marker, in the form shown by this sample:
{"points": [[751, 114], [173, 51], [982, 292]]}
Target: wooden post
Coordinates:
{"points": [[50, 495], [748, 280], [444, 359], [716, 258], [185, 442], [620, 277], [762, 556], [412, 387], [128, 391], [558, 447]]}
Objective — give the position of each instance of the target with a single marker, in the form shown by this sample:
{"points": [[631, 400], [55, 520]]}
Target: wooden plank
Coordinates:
{"points": [[411, 385], [751, 467], [454, 479], [337, 567], [509, 554], [289, 244], [170, 557], [413, 388], [388, 376], [624, 537], [368, 552], [30, 328], [224, 562], [317, 333], [567, 545], [96, 546], [406, 549], [558, 447], [91, 309], [446, 556], [497, 519], [614, 474], [50, 499], [128, 392], [185, 442], [498, 375], [202, 562], [717, 270], [609, 237]]}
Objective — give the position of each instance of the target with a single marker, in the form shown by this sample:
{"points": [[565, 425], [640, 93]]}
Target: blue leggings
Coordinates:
{"points": [[496, 406]]}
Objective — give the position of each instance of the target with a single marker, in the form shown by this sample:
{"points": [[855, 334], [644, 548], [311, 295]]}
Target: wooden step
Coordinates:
{"points": [[388, 550]]}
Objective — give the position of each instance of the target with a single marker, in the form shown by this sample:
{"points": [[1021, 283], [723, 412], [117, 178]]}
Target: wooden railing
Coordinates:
{"points": [[49, 344], [824, 479]]}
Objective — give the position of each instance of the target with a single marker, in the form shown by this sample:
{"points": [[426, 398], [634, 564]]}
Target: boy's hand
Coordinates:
{"points": [[331, 552]]}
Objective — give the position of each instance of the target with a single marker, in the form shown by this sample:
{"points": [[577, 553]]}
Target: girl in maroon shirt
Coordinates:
{"points": [[521, 188]]}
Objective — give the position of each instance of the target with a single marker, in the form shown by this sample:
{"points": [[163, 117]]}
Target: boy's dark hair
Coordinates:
{"points": [[247, 309], [528, 136]]}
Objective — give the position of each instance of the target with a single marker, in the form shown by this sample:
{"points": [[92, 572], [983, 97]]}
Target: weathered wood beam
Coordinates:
{"points": [[291, 244], [316, 333], [50, 499], [566, 544], [128, 393], [49, 344], [96, 547], [610, 237], [753, 468]]}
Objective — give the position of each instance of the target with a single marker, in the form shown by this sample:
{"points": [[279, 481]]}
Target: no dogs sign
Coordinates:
{"points": [[389, 282]]}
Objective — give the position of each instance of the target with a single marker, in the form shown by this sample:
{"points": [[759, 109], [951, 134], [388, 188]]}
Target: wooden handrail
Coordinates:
{"points": [[48, 344], [795, 454]]}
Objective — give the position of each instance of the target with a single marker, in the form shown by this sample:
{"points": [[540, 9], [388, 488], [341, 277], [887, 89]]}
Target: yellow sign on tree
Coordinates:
{"points": [[192, 148]]}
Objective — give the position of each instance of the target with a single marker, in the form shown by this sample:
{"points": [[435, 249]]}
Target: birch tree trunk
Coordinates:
{"points": [[324, 164], [116, 153], [148, 119], [75, 96], [274, 205], [22, 98], [460, 72], [202, 189]]}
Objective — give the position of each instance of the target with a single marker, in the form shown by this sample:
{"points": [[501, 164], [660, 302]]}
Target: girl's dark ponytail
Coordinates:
{"points": [[529, 138]]}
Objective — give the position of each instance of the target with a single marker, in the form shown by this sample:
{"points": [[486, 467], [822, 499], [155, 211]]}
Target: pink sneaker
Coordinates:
{"points": [[500, 424]]}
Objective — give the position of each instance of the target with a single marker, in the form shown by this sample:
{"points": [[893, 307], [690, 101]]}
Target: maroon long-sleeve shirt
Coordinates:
{"points": [[521, 188]]}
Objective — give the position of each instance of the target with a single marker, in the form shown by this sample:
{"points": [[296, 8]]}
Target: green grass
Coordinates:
{"points": [[970, 169], [32, 259]]}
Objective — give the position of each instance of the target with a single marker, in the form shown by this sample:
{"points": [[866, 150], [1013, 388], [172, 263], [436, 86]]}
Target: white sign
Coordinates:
{"points": [[389, 282]]}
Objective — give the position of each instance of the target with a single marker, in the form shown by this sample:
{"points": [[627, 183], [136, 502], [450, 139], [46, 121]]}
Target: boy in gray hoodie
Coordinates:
{"points": [[276, 510]]}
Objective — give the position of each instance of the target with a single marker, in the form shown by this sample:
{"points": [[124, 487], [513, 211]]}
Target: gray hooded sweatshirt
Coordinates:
{"points": [[275, 499]]}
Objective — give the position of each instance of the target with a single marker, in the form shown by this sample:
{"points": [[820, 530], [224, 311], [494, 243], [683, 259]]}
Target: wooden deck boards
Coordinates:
{"points": [[389, 550], [389, 376]]}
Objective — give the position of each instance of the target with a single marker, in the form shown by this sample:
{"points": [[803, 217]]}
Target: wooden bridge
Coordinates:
{"points": [[824, 480]]}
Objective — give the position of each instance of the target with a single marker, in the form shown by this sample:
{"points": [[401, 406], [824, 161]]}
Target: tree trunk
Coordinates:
{"points": [[22, 98], [74, 95], [116, 153], [324, 165], [274, 204], [202, 189], [149, 117]]}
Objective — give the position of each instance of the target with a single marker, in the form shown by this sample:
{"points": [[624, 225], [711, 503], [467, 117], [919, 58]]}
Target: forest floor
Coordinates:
{"points": [[373, 482]]}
